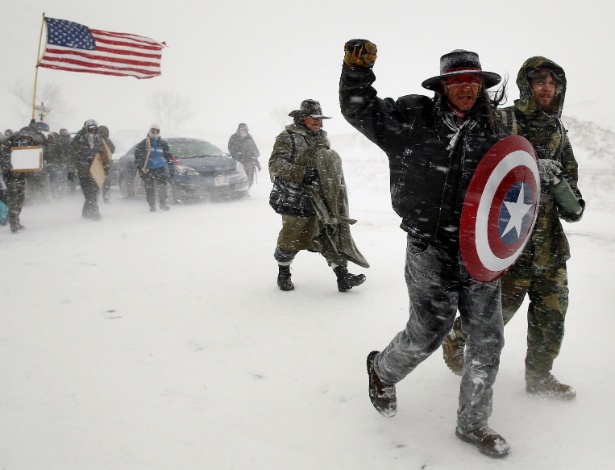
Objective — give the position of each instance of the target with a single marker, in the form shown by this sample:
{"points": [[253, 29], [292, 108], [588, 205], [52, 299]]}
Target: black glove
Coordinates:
{"points": [[70, 177], [550, 171], [360, 53], [311, 175]]}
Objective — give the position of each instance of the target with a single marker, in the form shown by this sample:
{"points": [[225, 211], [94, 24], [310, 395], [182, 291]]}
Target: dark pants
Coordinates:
{"points": [[438, 285], [90, 191], [156, 178], [15, 194], [57, 181]]}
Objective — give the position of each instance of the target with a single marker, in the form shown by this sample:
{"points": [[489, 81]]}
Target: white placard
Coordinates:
{"points": [[27, 158]]}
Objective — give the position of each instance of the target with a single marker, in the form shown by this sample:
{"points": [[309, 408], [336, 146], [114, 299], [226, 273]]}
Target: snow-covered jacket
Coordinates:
{"points": [[547, 134], [242, 149], [431, 158], [83, 152]]}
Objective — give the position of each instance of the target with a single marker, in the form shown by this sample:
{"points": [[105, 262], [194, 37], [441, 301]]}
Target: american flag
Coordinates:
{"points": [[77, 48]]}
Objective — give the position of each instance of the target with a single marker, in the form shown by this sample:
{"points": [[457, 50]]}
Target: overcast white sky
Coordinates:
{"points": [[245, 61]]}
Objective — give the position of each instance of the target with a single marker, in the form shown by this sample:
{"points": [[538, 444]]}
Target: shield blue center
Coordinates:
{"points": [[515, 213]]}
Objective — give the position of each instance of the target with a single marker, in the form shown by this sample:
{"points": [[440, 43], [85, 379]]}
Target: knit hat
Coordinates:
{"points": [[459, 62]]}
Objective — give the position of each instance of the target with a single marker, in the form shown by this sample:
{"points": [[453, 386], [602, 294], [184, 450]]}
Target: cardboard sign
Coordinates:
{"points": [[27, 158], [97, 171]]}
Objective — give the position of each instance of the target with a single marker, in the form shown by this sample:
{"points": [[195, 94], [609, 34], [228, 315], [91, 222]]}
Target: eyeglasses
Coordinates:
{"points": [[155, 131]]}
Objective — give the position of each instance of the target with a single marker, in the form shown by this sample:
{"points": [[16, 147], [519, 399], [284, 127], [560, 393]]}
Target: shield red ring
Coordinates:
{"points": [[500, 208]]}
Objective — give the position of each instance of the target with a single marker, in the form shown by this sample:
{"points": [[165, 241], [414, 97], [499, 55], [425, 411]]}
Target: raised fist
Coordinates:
{"points": [[360, 53]]}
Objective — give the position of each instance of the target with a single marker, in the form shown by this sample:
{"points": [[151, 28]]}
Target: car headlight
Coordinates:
{"points": [[186, 170]]}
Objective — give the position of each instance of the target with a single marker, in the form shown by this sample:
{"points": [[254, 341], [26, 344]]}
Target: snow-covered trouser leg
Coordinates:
{"points": [[283, 257], [433, 289], [481, 315], [438, 285]]}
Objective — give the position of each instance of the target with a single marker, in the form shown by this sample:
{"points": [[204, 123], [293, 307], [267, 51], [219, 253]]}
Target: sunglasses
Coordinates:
{"points": [[155, 131]]}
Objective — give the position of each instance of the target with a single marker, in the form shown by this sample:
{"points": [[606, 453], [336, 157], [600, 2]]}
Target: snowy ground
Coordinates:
{"points": [[161, 341]]}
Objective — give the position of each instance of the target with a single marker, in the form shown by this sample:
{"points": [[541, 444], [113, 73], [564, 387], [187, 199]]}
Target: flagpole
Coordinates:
{"points": [[37, 59]]}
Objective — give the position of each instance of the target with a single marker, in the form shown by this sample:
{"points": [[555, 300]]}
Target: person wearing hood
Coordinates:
{"points": [[243, 149], [309, 192], [434, 146], [85, 146], [107, 159], [15, 181], [154, 163], [540, 272]]}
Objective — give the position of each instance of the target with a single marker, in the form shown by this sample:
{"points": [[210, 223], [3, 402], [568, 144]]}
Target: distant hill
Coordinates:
{"points": [[594, 149]]}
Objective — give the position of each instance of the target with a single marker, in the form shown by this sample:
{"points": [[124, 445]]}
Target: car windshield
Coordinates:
{"points": [[190, 148]]}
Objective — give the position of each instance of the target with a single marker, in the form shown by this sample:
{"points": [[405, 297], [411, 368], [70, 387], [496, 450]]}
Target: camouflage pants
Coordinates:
{"points": [[15, 194], [547, 289]]}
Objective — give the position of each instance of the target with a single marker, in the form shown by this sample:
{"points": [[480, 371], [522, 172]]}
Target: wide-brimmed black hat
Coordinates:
{"points": [[458, 62], [309, 108]]}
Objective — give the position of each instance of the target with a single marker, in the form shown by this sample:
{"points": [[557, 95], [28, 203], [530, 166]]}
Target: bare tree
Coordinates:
{"points": [[49, 96], [170, 109]]}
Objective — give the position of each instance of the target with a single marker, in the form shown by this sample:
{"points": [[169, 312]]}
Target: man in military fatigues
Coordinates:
{"points": [[540, 272]]}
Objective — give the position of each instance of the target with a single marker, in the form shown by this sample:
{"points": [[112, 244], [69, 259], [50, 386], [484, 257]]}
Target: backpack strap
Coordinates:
{"points": [[509, 119], [293, 143]]}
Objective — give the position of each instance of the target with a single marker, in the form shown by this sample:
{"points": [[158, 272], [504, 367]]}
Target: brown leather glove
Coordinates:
{"points": [[360, 53]]}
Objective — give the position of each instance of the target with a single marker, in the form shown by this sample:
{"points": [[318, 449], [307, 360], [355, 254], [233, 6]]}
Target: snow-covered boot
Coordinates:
{"points": [[543, 384], [383, 396], [453, 348], [284, 281], [486, 440], [346, 280]]}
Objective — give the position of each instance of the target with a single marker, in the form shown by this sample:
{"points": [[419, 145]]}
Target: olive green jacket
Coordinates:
{"points": [[549, 138]]}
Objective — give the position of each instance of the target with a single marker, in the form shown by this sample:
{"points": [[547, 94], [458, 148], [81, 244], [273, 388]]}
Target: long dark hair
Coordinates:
{"points": [[486, 105]]}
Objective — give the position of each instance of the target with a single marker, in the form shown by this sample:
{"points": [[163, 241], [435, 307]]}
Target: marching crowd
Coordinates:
{"points": [[434, 146]]}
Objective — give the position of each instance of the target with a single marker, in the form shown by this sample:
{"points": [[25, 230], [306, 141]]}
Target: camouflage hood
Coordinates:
{"points": [[526, 102]]}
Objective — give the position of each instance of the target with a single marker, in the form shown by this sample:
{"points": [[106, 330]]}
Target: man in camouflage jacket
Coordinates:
{"points": [[541, 271]]}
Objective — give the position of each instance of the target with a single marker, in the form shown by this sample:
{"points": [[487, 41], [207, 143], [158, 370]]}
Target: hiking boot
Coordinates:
{"points": [[382, 395], [486, 440], [453, 348], [284, 282], [164, 207], [546, 386], [152, 208], [346, 280]]}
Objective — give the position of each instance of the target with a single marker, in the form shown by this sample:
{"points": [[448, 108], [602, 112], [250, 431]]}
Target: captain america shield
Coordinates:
{"points": [[500, 208]]}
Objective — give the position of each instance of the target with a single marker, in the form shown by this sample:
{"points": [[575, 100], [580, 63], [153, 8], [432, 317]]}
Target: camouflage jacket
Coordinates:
{"points": [[550, 141]]}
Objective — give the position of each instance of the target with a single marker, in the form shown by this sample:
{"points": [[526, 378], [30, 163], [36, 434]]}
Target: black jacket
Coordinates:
{"points": [[431, 159]]}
